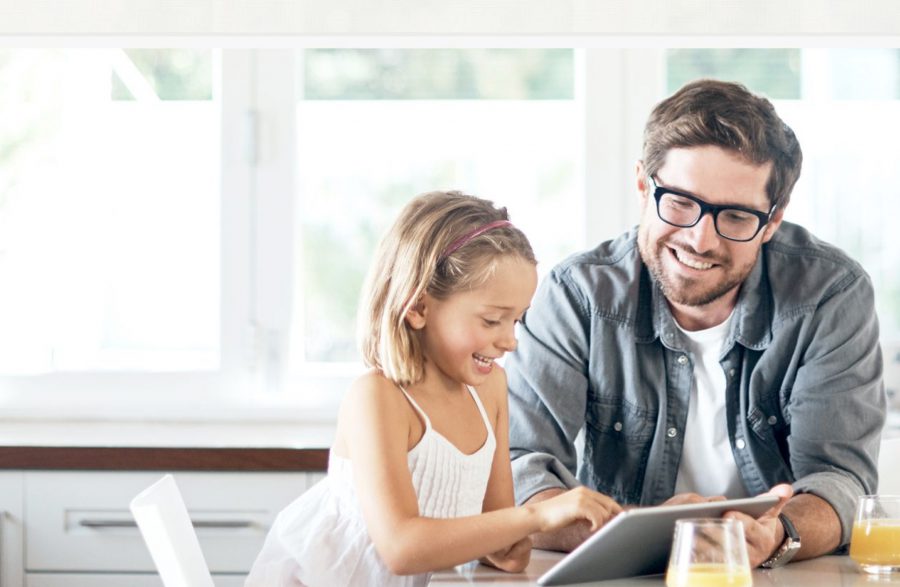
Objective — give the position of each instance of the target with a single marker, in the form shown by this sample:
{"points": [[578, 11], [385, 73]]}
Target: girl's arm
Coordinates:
{"points": [[376, 416]]}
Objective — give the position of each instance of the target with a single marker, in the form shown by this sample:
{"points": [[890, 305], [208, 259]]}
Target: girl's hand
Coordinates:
{"points": [[577, 504], [513, 559]]}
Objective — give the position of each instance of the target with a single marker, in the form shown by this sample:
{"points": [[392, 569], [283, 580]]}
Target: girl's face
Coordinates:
{"points": [[465, 333]]}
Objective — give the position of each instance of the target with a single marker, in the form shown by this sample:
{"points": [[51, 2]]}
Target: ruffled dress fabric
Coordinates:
{"points": [[320, 540]]}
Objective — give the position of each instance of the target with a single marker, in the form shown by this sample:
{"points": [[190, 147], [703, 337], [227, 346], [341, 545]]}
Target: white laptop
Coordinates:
{"points": [[164, 522]]}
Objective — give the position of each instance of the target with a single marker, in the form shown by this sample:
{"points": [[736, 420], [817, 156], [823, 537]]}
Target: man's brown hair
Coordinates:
{"points": [[727, 115]]}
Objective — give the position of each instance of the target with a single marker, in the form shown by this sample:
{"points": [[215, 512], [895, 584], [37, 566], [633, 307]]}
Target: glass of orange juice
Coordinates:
{"points": [[708, 552], [875, 541]]}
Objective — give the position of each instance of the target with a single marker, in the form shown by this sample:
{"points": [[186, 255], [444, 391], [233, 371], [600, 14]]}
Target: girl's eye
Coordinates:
{"points": [[491, 322]]}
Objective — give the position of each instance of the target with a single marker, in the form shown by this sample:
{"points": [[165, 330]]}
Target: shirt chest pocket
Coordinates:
{"points": [[617, 442]]}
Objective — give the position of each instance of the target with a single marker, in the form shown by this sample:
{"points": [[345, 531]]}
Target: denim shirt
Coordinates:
{"points": [[599, 352]]}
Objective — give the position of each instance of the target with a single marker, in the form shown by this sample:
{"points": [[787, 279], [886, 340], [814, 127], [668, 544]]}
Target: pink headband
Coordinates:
{"points": [[455, 245]]}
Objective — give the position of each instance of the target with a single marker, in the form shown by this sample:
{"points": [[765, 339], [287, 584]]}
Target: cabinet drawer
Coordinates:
{"points": [[80, 521]]}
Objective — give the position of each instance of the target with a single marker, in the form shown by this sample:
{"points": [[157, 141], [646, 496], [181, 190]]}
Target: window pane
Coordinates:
{"points": [[773, 72], [361, 160], [109, 216], [172, 74], [438, 74]]}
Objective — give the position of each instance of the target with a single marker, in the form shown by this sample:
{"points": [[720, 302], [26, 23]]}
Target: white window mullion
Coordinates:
{"points": [[273, 212], [238, 353], [617, 88]]}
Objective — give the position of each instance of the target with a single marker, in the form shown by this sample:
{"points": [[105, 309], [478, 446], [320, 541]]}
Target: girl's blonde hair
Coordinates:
{"points": [[411, 260]]}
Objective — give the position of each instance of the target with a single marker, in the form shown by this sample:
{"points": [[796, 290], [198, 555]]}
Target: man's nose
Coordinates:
{"points": [[703, 236]]}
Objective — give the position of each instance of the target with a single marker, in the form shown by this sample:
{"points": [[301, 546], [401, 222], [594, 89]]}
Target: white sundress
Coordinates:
{"points": [[320, 539]]}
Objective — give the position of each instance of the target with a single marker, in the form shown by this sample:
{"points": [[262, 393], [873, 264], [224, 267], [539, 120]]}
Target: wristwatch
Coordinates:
{"points": [[788, 548]]}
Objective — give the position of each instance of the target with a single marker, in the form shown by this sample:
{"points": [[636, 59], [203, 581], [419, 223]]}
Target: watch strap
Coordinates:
{"points": [[789, 547]]}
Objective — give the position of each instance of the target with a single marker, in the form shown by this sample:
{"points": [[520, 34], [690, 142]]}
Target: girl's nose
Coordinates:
{"points": [[508, 342]]}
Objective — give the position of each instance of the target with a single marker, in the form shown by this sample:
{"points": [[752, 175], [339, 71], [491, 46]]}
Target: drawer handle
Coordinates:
{"points": [[196, 523]]}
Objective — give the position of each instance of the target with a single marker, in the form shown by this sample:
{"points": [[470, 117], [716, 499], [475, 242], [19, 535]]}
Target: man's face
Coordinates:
{"points": [[695, 266]]}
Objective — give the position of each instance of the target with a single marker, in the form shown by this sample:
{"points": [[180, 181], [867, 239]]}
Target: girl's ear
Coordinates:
{"points": [[415, 317]]}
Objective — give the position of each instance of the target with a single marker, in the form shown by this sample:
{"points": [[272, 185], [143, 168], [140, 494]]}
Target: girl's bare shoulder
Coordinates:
{"points": [[373, 405], [373, 389]]}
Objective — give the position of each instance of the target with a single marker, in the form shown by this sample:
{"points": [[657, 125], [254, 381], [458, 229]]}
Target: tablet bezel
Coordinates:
{"points": [[637, 541]]}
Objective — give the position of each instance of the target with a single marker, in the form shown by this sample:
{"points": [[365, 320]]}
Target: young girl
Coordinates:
{"points": [[419, 476]]}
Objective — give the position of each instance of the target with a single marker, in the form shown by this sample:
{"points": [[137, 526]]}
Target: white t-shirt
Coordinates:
{"points": [[707, 465]]}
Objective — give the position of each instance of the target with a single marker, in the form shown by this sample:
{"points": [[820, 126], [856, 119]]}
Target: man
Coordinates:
{"points": [[714, 351]]}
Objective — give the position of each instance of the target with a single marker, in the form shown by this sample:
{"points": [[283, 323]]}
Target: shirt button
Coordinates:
{"points": [[740, 444], [731, 372], [672, 432], [772, 420], [682, 360], [617, 426]]}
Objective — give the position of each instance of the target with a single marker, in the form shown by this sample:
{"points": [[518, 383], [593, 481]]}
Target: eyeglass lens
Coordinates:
{"points": [[730, 222]]}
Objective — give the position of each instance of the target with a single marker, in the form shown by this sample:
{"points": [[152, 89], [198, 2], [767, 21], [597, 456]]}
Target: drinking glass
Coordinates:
{"points": [[875, 541], [708, 552]]}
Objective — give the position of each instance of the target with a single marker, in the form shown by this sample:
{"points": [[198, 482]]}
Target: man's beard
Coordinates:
{"points": [[688, 292]]}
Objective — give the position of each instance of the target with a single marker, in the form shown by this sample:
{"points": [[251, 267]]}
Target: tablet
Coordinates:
{"points": [[637, 542]]}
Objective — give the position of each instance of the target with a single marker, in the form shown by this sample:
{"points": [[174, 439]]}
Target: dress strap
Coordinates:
{"points": [[484, 416], [418, 409]]}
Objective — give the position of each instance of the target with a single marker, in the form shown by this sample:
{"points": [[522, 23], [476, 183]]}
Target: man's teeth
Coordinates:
{"points": [[691, 263], [483, 360]]}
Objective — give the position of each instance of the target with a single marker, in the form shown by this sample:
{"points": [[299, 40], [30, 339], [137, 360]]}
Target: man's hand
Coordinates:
{"points": [[765, 533], [513, 559]]}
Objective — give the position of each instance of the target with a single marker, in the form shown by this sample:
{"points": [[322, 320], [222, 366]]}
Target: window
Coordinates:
{"points": [[109, 211]]}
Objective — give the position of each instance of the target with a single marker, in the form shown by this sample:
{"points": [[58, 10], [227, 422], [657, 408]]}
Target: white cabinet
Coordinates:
{"points": [[11, 501], [74, 528]]}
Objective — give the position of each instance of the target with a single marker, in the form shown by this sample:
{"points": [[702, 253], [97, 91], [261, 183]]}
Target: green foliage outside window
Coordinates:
{"points": [[772, 72], [438, 74], [174, 74]]}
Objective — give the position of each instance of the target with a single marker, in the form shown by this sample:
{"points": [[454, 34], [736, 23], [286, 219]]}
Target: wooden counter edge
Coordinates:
{"points": [[163, 458]]}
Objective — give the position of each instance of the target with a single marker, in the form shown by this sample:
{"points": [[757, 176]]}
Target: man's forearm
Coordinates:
{"points": [[817, 523], [565, 539]]}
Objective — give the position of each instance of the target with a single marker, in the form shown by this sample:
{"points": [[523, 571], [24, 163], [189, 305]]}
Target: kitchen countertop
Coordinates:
{"points": [[826, 571], [210, 446]]}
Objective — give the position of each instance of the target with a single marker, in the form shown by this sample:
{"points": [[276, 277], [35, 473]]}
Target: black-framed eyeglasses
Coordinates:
{"points": [[735, 223]]}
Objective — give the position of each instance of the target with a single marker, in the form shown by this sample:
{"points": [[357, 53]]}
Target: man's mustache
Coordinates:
{"points": [[706, 257]]}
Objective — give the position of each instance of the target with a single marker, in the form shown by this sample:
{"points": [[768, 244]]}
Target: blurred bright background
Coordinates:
{"points": [[184, 227]]}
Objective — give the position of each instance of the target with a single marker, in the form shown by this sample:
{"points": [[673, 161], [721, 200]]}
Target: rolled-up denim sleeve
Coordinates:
{"points": [[548, 383], [837, 405]]}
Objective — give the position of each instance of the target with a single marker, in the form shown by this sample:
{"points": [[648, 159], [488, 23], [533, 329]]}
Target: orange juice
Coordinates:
{"points": [[709, 575], [876, 542]]}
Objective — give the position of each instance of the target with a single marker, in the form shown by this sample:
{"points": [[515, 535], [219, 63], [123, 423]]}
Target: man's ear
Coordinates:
{"points": [[415, 316], [773, 224], [641, 182]]}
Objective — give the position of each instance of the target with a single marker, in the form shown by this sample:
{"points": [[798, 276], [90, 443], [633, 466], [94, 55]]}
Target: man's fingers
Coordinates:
{"points": [[784, 492]]}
